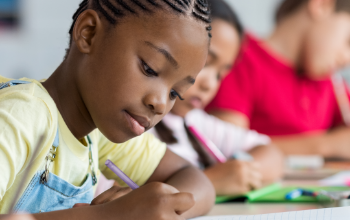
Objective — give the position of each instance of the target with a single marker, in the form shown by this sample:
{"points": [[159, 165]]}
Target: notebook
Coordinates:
{"points": [[342, 213], [276, 193]]}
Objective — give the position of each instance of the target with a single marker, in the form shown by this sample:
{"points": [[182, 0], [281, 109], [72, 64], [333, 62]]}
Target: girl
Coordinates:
{"points": [[282, 86], [127, 63], [235, 176]]}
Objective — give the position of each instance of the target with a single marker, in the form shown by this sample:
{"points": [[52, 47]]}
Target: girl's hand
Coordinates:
{"points": [[154, 201], [115, 192], [235, 177]]}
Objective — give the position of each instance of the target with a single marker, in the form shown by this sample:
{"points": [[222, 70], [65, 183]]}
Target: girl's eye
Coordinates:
{"points": [[174, 94], [148, 70]]}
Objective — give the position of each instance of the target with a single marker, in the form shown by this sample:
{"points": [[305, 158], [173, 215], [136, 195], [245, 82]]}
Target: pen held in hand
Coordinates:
{"points": [[209, 145], [121, 175]]}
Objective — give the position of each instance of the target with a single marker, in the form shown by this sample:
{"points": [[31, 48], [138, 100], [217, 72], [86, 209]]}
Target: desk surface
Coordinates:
{"points": [[254, 209]]}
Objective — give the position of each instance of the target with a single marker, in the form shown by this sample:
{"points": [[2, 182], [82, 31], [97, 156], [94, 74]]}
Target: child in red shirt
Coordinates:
{"points": [[282, 86]]}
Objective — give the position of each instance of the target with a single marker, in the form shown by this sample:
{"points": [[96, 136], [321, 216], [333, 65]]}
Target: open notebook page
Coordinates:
{"points": [[342, 213]]}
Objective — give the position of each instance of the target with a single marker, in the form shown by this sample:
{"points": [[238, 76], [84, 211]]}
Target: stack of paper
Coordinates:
{"points": [[342, 213]]}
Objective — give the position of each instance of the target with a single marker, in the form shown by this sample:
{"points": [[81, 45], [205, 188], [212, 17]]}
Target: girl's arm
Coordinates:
{"points": [[180, 174], [154, 201], [17, 217]]}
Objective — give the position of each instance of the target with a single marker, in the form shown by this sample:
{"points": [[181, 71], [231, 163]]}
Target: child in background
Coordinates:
{"points": [[127, 63], [282, 86], [235, 176]]}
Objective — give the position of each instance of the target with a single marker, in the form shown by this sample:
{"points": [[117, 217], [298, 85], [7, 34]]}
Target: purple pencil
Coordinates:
{"points": [[121, 175]]}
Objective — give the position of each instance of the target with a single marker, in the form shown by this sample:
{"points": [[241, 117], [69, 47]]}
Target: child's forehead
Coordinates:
{"points": [[163, 26]]}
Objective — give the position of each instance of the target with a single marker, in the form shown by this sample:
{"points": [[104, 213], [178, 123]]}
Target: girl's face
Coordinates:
{"points": [[136, 70], [223, 50], [327, 46]]}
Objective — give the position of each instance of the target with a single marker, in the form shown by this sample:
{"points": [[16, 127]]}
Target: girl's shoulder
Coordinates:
{"points": [[29, 105]]}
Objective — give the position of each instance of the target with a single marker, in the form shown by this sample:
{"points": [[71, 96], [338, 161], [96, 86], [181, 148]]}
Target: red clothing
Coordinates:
{"points": [[276, 99]]}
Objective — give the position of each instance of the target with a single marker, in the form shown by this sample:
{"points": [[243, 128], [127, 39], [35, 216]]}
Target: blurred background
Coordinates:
{"points": [[34, 33]]}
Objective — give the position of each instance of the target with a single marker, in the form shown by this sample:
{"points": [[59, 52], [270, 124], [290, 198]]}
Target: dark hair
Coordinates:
{"points": [[287, 7], [221, 10], [112, 10]]}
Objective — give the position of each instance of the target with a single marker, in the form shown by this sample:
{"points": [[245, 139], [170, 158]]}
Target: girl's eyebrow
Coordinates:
{"points": [[167, 55]]}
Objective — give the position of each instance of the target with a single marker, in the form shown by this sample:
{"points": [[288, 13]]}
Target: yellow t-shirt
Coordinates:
{"points": [[27, 111]]}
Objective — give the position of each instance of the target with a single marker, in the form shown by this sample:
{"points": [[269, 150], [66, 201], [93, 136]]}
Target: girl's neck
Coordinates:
{"points": [[63, 88], [287, 39]]}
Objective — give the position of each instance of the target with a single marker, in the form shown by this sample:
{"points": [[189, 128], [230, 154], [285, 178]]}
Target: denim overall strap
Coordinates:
{"points": [[12, 83], [53, 195]]}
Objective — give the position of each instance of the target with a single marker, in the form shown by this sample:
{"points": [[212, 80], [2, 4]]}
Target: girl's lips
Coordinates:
{"points": [[135, 126], [196, 102]]}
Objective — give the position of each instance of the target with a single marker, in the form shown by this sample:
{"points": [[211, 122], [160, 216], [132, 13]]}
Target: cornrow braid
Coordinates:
{"points": [[112, 10], [82, 7], [173, 6], [142, 6]]}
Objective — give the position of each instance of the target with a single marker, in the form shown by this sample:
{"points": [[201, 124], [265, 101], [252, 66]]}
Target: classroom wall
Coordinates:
{"points": [[257, 15], [38, 45]]}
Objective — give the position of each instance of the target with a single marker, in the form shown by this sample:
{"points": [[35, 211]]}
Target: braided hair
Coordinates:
{"points": [[112, 10]]}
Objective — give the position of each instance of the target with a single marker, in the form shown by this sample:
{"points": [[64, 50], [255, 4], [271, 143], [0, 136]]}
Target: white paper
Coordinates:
{"points": [[342, 213]]}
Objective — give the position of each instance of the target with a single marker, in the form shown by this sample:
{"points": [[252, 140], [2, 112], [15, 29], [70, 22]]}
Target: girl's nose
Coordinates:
{"points": [[156, 103]]}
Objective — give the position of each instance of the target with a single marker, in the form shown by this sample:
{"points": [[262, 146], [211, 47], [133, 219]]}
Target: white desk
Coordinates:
{"points": [[257, 208]]}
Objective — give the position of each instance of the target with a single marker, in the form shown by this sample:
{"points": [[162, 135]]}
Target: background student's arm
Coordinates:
{"points": [[236, 176], [231, 139], [334, 144], [180, 174], [233, 117]]}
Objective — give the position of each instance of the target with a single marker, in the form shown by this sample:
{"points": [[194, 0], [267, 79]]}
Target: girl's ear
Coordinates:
{"points": [[320, 9], [85, 29]]}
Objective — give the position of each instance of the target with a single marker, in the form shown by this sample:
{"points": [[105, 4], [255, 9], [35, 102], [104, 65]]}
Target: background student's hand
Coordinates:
{"points": [[235, 177], [154, 201]]}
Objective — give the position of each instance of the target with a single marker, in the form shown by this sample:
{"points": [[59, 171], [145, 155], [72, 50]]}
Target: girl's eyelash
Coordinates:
{"points": [[148, 70], [174, 94]]}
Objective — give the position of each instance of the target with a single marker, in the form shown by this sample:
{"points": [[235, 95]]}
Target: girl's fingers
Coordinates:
{"points": [[120, 193], [113, 193], [182, 202], [255, 180], [80, 205]]}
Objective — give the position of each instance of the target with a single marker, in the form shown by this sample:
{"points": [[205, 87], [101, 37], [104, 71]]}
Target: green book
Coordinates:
{"points": [[276, 193]]}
